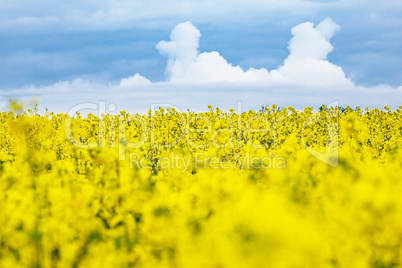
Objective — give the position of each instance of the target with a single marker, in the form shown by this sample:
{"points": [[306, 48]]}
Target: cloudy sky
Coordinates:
{"points": [[189, 54]]}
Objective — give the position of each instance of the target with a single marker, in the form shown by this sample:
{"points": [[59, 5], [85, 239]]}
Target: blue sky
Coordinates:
{"points": [[44, 43]]}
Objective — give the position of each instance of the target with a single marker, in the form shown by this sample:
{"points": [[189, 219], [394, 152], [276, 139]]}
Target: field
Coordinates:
{"points": [[277, 187]]}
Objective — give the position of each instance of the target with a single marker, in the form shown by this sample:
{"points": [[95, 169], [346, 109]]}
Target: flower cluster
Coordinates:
{"points": [[210, 189]]}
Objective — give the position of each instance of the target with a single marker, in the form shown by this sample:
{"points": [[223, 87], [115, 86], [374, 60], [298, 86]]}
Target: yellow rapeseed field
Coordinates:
{"points": [[278, 187]]}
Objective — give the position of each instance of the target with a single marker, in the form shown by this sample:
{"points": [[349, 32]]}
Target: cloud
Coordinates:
{"points": [[307, 62], [135, 80], [182, 50], [310, 42], [187, 65], [305, 65]]}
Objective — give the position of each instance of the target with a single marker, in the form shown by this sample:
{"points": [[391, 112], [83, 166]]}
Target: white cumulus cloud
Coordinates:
{"points": [[306, 64], [182, 50], [135, 80], [186, 64]]}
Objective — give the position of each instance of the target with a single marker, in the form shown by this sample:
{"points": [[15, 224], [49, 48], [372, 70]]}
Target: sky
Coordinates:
{"points": [[137, 55]]}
